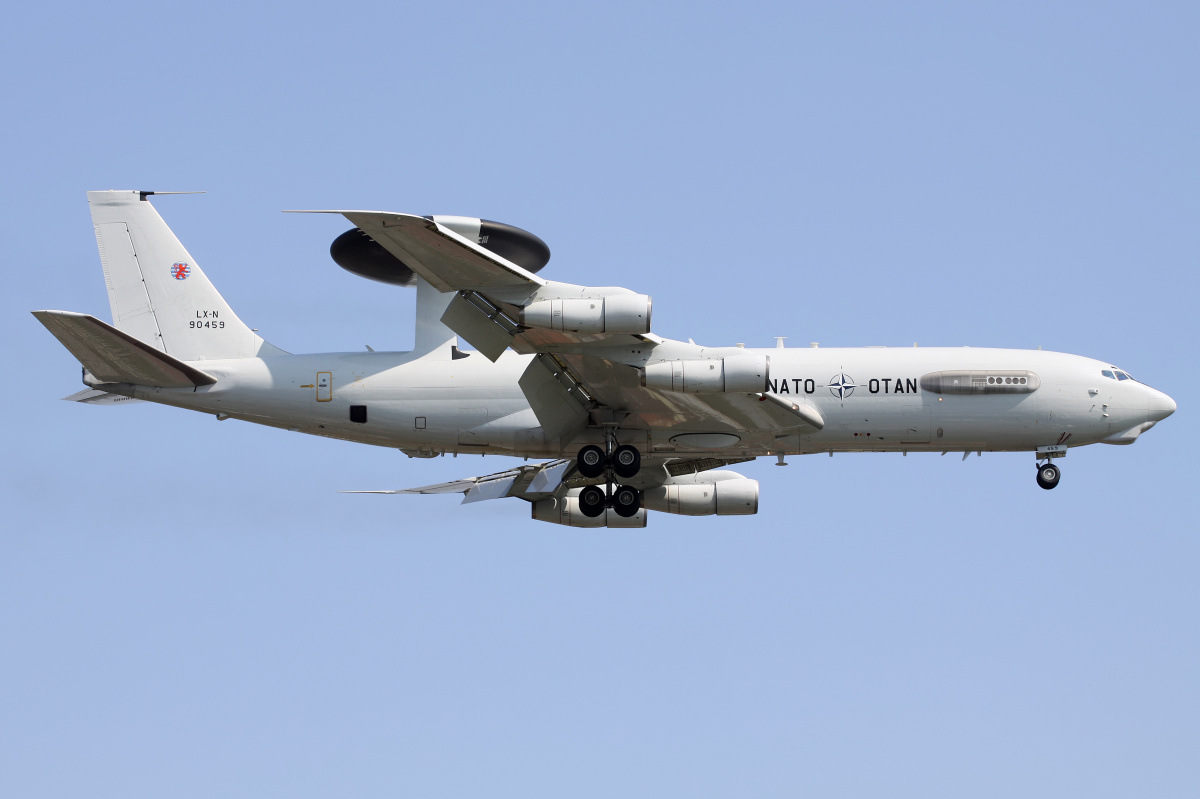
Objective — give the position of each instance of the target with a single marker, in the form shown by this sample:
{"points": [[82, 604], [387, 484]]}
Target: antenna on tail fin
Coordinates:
{"points": [[146, 194]]}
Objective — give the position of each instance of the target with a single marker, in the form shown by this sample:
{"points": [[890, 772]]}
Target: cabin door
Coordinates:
{"points": [[324, 386]]}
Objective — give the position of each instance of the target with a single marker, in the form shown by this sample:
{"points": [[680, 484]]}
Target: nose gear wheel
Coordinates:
{"points": [[1048, 475]]}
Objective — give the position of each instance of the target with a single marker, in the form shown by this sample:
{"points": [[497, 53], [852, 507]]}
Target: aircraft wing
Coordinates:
{"points": [[614, 385], [537, 481], [446, 260], [541, 479], [585, 365]]}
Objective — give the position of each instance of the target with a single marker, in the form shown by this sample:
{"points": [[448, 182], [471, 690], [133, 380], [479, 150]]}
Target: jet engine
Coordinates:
{"points": [[565, 510], [736, 374], [357, 252], [615, 313], [733, 495]]}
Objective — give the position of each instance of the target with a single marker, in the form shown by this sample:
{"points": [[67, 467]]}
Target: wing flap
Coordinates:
{"points": [[478, 328], [115, 357], [555, 398], [490, 489]]}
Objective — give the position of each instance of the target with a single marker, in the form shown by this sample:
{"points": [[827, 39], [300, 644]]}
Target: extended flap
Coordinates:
{"points": [[479, 326], [560, 406]]}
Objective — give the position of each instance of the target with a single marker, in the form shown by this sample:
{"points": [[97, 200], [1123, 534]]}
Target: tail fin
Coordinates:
{"points": [[157, 292]]}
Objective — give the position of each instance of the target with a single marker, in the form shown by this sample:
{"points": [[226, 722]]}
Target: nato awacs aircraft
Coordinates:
{"points": [[628, 421]]}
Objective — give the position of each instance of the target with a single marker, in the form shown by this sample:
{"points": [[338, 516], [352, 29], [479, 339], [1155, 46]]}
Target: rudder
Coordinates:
{"points": [[157, 292]]}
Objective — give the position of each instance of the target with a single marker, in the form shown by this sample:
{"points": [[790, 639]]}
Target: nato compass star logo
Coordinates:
{"points": [[841, 386]]}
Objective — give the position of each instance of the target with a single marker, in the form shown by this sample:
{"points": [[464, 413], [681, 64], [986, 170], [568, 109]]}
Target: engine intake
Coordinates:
{"points": [[738, 374], [617, 313]]}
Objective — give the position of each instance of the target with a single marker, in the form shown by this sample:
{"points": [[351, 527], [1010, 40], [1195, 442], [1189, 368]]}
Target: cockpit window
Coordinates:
{"points": [[1122, 376], [1108, 374]]}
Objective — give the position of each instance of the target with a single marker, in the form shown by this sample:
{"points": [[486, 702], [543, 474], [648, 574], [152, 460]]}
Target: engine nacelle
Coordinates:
{"points": [[617, 313], [736, 374], [565, 510], [737, 497]]}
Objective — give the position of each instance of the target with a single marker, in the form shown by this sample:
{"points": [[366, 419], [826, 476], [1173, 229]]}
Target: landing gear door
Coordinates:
{"points": [[324, 386]]}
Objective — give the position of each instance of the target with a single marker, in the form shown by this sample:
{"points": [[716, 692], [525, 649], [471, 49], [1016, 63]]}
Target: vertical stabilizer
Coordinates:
{"points": [[157, 292]]}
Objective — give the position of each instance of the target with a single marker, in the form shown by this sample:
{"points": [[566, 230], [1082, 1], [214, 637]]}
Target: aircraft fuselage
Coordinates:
{"points": [[871, 400]]}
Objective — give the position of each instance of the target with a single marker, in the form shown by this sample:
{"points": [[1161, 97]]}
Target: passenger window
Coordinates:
{"points": [[1108, 374]]}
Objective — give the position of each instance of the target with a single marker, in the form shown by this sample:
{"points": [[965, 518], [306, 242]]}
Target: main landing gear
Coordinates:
{"points": [[1048, 475], [624, 500], [624, 462], [591, 461]]}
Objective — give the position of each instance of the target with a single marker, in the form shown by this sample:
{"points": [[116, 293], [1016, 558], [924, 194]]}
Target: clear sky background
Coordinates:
{"points": [[189, 609]]}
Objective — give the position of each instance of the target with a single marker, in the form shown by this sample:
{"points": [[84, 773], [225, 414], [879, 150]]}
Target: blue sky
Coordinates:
{"points": [[188, 608]]}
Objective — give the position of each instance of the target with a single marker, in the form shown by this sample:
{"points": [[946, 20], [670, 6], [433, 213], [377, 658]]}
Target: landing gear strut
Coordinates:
{"points": [[1048, 475]]}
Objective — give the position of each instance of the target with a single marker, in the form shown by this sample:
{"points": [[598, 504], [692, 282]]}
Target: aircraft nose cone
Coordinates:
{"points": [[1159, 406]]}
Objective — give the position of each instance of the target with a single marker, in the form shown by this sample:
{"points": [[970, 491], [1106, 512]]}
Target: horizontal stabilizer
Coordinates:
{"points": [[115, 357], [94, 396]]}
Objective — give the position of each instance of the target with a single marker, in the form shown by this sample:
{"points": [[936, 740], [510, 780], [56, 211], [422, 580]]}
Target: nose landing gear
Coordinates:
{"points": [[1048, 475]]}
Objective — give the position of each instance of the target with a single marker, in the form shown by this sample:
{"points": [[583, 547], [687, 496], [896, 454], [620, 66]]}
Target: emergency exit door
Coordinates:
{"points": [[324, 386]]}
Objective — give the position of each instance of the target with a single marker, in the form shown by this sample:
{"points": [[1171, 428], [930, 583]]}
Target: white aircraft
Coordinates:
{"points": [[629, 421]]}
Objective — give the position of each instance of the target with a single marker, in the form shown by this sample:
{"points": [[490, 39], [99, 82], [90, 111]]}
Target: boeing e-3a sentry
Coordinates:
{"points": [[627, 421]]}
